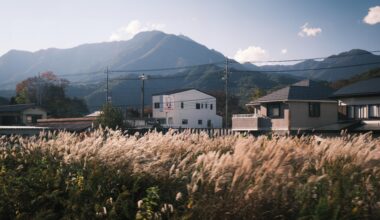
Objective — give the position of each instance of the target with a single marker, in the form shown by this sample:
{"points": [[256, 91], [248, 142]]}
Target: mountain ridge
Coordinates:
{"points": [[153, 49], [347, 58]]}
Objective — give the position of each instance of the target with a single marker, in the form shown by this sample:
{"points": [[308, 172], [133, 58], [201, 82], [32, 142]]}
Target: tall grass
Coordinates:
{"points": [[193, 176]]}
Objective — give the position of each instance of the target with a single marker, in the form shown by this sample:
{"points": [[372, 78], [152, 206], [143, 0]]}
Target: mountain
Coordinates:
{"points": [[146, 50], [156, 50], [374, 73], [325, 69], [208, 78]]}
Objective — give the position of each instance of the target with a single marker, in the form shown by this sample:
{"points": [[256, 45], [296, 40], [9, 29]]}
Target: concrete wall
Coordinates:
{"points": [[300, 119], [245, 123], [170, 107]]}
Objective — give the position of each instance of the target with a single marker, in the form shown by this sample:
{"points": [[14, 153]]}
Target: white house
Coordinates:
{"points": [[186, 108]]}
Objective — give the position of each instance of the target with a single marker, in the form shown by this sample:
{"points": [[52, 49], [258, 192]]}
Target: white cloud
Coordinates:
{"points": [[252, 53], [373, 16], [309, 31], [134, 27], [284, 51]]}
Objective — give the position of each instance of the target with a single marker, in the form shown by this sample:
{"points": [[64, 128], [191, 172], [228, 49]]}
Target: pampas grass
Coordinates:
{"points": [[234, 176]]}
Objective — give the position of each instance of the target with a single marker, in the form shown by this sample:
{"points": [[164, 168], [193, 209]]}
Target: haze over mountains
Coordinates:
{"points": [[146, 50], [328, 69], [155, 50]]}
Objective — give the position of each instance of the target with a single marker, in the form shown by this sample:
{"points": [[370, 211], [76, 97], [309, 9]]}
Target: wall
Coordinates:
{"points": [[360, 100], [274, 123], [300, 119], [189, 112], [32, 111], [245, 123]]}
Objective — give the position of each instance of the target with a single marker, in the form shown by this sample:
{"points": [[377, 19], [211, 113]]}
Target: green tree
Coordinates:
{"points": [[48, 91], [111, 117], [257, 93]]}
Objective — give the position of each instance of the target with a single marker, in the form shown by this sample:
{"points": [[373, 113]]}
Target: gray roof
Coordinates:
{"points": [[361, 88], [303, 90], [178, 91], [16, 108]]}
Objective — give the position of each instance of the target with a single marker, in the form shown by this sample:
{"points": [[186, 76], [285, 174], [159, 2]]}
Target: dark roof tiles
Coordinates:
{"points": [[303, 90], [16, 108], [361, 88]]}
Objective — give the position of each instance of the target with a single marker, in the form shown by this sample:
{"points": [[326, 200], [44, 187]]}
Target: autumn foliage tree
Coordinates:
{"points": [[48, 90]]}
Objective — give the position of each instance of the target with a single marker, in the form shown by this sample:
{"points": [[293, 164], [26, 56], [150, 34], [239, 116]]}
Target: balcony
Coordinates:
{"points": [[250, 122], [245, 122]]}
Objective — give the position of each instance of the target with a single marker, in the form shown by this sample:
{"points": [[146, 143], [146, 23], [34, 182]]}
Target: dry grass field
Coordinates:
{"points": [[108, 175]]}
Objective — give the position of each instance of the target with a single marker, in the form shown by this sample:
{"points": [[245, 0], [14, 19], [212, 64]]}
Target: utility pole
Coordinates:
{"points": [[107, 95], [143, 78], [39, 92], [226, 90]]}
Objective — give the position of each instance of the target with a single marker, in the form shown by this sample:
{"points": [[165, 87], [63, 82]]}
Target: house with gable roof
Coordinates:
{"points": [[186, 108], [304, 105]]}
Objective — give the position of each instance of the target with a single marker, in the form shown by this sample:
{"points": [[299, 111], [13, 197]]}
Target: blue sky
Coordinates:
{"points": [[241, 29]]}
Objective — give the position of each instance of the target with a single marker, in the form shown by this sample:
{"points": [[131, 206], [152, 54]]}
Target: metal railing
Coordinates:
{"points": [[246, 115]]}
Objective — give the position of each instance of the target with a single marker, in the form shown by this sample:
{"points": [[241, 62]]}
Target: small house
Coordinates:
{"points": [[21, 114], [302, 106], [360, 102]]}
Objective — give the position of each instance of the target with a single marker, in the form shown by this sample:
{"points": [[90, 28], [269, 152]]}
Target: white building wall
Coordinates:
{"points": [[170, 109]]}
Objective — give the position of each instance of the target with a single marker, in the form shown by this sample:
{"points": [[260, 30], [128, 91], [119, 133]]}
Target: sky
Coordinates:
{"points": [[246, 30]]}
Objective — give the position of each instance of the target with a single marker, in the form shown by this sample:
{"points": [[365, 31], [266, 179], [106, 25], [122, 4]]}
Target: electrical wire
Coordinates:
{"points": [[307, 69], [313, 58]]}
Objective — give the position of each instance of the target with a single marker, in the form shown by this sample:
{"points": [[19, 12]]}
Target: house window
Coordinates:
{"points": [[374, 111], [314, 109], [206, 105], [32, 118], [209, 125], [185, 121], [357, 111], [361, 111], [197, 106], [350, 112], [211, 106], [156, 105], [161, 121], [274, 110], [170, 120], [199, 122], [202, 105], [182, 105]]}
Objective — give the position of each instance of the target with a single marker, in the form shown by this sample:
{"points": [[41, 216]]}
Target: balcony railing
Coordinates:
{"points": [[246, 116]]}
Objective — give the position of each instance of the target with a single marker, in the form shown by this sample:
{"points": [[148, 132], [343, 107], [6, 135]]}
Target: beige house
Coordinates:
{"points": [[302, 106], [22, 114]]}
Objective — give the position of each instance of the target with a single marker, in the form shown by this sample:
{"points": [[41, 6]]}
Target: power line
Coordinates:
{"points": [[179, 101], [164, 69], [310, 69], [226, 90], [81, 73], [313, 58], [186, 67]]}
